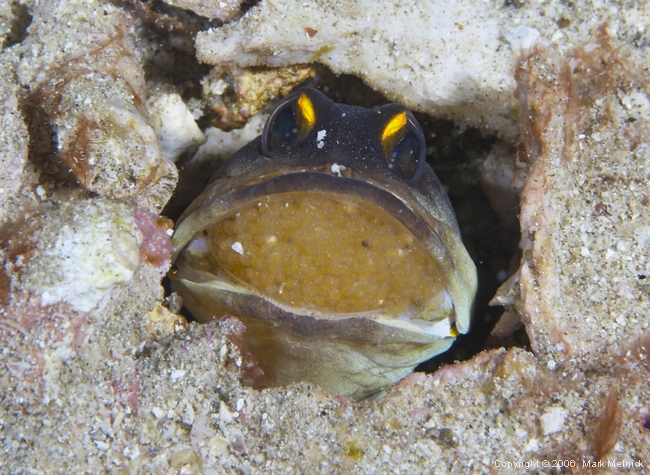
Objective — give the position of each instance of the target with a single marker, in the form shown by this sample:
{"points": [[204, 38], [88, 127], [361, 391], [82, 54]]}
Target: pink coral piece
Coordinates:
{"points": [[156, 248]]}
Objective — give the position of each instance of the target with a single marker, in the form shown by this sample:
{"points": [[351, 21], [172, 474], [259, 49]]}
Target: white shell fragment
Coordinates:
{"points": [[337, 169], [174, 124], [237, 247], [553, 420]]}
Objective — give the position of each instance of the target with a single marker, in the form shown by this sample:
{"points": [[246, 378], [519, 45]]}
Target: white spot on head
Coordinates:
{"points": [[319, 137]]}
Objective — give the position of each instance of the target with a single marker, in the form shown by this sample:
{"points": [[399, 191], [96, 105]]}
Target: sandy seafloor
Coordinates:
{"points": [[99, 99]]}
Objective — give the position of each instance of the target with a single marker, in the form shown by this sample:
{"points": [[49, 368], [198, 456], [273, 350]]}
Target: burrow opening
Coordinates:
{"points": [[456, 154]]}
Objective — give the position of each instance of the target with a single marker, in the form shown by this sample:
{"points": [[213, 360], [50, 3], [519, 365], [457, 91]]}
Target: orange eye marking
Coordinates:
{"points": [[394, 127], [307, 111]]}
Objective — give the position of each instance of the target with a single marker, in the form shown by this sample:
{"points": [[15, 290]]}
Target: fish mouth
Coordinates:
{"points": [[311, 243]]}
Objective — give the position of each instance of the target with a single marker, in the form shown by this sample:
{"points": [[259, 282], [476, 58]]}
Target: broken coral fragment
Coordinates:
{"points": [[88, 88], [174, 124], [451, 60], [77, 255], [224, 10], [236, 94], [581, 288], [156, 248], [431, 56]]}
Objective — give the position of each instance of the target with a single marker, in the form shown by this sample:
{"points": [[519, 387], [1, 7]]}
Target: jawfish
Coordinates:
{"points": [[333, 241]]}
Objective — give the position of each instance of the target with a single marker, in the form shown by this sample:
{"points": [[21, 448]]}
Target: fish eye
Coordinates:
{"points": [[404, 146], [289, 124], [406, 155]]}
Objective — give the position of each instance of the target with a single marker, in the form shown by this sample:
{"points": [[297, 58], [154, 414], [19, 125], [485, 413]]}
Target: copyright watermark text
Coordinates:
{"points": [[560, 463]]}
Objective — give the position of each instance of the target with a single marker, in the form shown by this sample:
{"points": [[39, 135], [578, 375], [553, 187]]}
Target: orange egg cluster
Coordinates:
{"points": [[316, 252]]}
